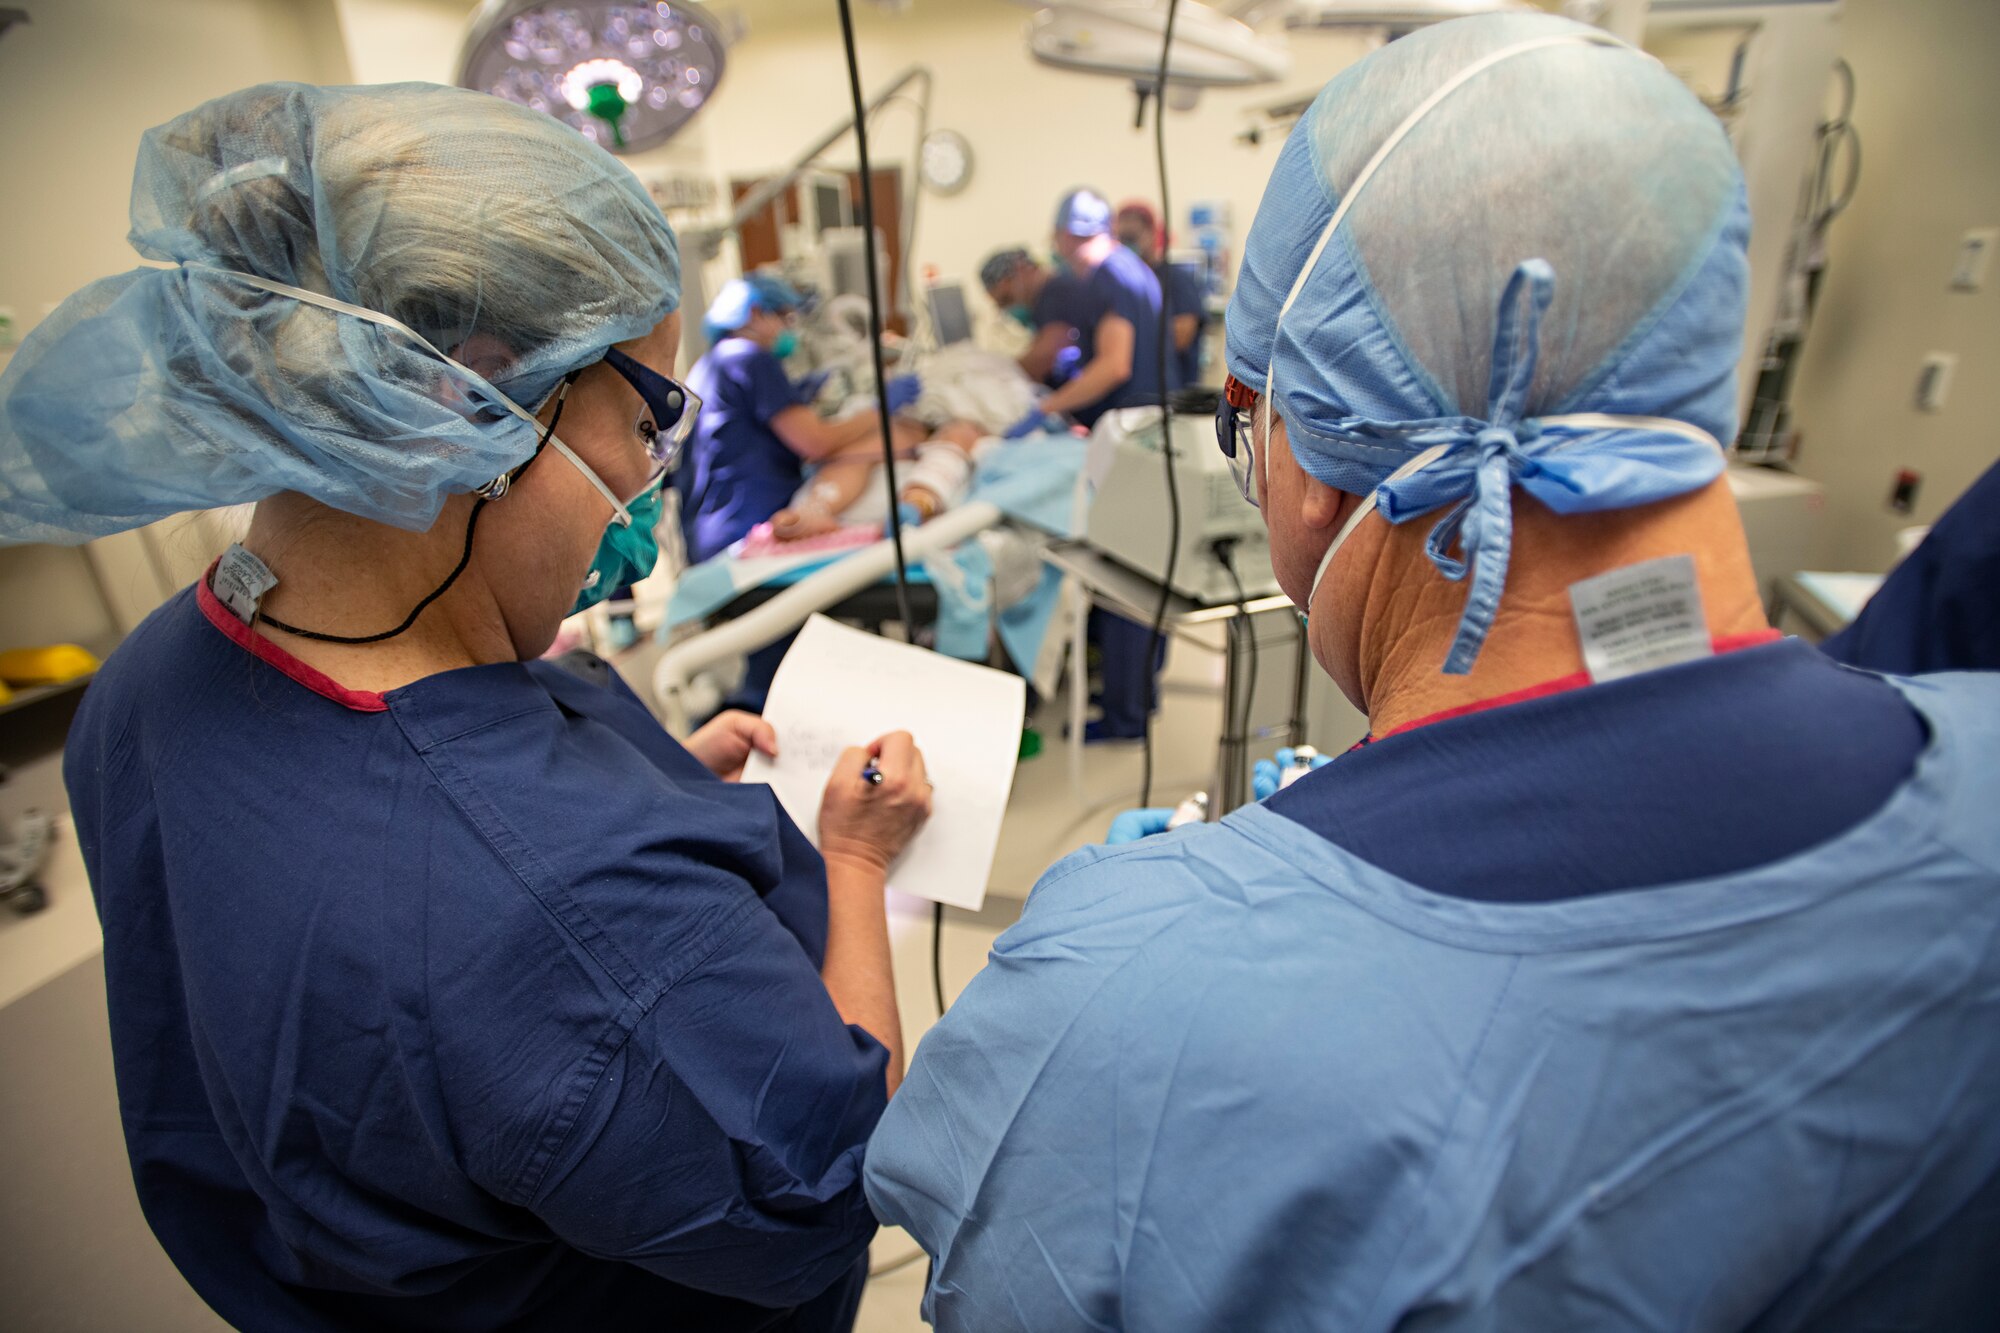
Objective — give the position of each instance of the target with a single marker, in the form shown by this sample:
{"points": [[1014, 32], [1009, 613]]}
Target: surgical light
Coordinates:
{"points": [[1400, 16], [625, 75], [1122, 38]]}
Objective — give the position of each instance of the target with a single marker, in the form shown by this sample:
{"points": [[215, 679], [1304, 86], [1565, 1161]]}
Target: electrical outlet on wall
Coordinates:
{"points": [[1975, 253], [1934, 380]]}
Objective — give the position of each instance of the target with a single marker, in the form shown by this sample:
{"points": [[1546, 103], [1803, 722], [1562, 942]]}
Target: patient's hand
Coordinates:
{"points": [[791, 525]]}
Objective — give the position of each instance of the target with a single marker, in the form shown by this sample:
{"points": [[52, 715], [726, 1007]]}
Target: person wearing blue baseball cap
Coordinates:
{"points": [[1116, 315], [1642, 970], [447, 990]]}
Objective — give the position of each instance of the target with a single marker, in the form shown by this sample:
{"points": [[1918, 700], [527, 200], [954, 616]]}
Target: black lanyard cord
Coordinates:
{"points": [[464, 559]]}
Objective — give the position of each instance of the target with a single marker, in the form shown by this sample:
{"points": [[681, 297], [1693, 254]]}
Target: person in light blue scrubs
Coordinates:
{"points": [[447, 990], [1642, 970]]}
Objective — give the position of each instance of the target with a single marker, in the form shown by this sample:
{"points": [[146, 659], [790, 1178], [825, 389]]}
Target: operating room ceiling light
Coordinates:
{"points": [[1400, 17], [627, 76], [1122, 38]]}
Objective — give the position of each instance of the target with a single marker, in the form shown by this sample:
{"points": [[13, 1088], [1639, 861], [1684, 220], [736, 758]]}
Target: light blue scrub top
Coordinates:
{"points": [[1235, 1077]]}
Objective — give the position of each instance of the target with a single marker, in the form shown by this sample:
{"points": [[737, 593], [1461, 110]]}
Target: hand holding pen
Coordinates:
{"points": [[877, 798]]}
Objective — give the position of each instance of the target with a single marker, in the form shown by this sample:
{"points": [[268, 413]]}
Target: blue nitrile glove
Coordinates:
{"points": [[1068, 361], [903, 390], [1036, 420], [1265, 773], [1136, 824], [911, 516]]}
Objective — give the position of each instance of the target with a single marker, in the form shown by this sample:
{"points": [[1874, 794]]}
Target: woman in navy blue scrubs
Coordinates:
{"points": [[447, 990]]}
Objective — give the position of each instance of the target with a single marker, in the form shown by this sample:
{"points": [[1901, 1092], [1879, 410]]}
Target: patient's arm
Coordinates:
{"points": [[841, 476], [942, 470]]}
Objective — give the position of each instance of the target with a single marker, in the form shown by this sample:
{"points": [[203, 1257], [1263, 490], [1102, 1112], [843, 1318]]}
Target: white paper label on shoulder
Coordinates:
{"points": [[241, 580], [1640, 618]]}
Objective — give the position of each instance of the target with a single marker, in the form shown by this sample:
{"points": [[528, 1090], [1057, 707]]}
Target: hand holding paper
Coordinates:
{"points": [[840, 688]]}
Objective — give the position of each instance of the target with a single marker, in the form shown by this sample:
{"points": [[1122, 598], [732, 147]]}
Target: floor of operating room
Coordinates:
{"points": [[78, 1171]]}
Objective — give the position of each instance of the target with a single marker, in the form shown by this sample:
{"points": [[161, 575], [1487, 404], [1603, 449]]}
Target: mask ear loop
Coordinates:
{"points": [[484, 495]]}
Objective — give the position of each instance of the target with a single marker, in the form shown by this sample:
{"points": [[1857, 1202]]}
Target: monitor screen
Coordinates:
{"points": [[829, 205], [950, 320]]}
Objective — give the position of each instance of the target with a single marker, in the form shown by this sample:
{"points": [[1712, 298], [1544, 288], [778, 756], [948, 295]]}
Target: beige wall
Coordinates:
{"points": [[83, 79], [403, 41], [1928, 110], [79, 84]]}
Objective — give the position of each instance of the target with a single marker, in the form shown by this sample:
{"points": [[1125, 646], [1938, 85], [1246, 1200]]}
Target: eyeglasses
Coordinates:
{"points": [[1234, 435], [672, 404]]}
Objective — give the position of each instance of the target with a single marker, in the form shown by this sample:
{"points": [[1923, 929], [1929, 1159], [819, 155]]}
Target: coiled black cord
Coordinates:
{"points": [[1157, 638]]}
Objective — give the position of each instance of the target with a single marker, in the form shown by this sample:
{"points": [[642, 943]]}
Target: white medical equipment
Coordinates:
{"points": [[844, 258], [1122, 38], [1128, 518], [951, 319], [700, 244]]}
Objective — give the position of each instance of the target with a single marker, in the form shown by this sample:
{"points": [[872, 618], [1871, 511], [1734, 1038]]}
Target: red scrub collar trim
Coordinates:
{"points": [[240, 634], [1576, 680]]}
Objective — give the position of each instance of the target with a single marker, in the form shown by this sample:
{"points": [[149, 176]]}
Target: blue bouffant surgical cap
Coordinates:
{"points": [[369, 289], [1083, 213], [1538, 267], [741, 297]]}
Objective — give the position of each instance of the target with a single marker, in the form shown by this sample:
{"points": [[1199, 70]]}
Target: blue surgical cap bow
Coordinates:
{"points": [[1399, 287]]}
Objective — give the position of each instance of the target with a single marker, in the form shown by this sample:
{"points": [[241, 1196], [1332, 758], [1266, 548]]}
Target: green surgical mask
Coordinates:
{"points": [[786, 344], [626, 553], [1022, 315]]}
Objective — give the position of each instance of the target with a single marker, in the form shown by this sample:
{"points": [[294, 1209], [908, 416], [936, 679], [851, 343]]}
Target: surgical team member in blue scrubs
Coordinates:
{"points": [[1042, 300], [447, 991], [1939, 610], [1117, 317], [1118, 337], [1643, 970], [757, 430]]}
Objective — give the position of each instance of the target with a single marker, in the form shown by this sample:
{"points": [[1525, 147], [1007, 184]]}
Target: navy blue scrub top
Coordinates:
{"points": [[737, 472], [1592, 791], [1184, 287], [1940, 609], [1123, 285], [474, 1004], [1060, 302]]}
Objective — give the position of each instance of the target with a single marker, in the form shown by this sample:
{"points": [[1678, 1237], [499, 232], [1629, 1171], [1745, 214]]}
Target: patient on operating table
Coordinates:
{"points": [[933, 472], [964, 396]]}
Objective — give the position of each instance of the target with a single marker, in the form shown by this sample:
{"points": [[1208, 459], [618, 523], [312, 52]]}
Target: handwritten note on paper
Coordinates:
{"points": [[839, 687]]}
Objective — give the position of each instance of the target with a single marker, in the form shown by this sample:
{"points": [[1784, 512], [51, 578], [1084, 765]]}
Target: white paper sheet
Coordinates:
{"points": [[839, 687]]}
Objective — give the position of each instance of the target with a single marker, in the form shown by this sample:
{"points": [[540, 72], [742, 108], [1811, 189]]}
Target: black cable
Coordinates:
{"points": [[1157, 638], [1242, 616], [875, 317], [937, 956]]}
